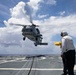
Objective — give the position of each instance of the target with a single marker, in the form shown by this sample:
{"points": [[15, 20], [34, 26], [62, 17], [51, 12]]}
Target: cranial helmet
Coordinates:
{"points": [[64, 33]]}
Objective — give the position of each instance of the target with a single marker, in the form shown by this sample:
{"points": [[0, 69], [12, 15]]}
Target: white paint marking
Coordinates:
{"points": [[42, 69], [29, 69]]}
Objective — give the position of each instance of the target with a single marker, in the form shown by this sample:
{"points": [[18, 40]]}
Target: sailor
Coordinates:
{"points": [[68, 53]]}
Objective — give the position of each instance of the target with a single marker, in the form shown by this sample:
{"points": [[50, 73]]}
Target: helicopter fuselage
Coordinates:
{"points": [[32, 33]]}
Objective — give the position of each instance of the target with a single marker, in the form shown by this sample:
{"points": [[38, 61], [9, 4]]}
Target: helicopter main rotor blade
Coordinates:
{"points": [[24, 25], [19, 24], [29, 13]]}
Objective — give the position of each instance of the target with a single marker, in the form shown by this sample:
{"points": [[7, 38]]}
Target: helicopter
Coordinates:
{"points": [[32, 32]]}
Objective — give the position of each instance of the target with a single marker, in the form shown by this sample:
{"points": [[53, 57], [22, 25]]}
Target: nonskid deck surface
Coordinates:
{"points": [[40, 65]]}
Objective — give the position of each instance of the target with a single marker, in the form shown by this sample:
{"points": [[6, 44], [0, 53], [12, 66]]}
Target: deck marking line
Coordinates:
{"points": [[43, 69]]}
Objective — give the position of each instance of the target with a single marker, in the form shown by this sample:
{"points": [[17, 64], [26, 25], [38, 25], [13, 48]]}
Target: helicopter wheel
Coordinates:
{"points": [[35, 44], [23, 38]]}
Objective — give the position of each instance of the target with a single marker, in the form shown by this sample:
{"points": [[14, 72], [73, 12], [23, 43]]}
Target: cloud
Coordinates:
{"points": [[62, 13], [67, 20], [42, 16], [19, 14], [18, 11], [11, 36], [35, 4], [51, 2]]}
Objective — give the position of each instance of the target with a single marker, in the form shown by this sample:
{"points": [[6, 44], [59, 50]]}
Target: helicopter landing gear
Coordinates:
{"points": [[24, 38], [35, 44]]}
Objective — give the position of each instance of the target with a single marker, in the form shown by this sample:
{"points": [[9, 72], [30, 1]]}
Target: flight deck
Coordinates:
{"points": [[49, 65]]}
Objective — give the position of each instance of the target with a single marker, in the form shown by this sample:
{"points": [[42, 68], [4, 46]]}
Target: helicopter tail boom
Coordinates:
{"points": [[40, 44]]}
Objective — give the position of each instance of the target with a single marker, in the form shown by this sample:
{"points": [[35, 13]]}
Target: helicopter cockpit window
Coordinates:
{"points": [[29, 30]]}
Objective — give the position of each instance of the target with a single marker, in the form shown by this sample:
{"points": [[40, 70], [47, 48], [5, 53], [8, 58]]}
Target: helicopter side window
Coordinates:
{"points": [[38, 31]]}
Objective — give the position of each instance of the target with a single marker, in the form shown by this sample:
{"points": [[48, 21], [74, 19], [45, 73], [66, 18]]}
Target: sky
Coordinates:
{"points": [[52, 16]]}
